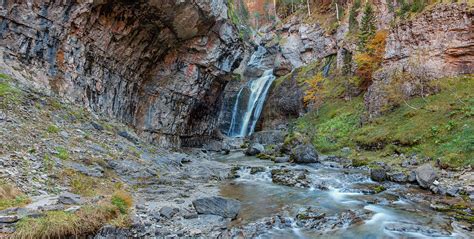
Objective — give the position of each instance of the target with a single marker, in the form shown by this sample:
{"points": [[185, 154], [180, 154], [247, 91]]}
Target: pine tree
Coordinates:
{"points": [[367, 27]]}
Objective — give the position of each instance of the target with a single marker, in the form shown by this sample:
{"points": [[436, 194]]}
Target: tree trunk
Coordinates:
{"points": [[309, 9]]}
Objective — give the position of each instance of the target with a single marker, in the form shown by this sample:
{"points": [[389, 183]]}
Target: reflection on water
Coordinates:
{"points": [[261, 198]]}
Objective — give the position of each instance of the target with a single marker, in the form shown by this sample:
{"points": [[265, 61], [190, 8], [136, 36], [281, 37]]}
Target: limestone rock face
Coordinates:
{"points": [[160, 66], [436, 44]]}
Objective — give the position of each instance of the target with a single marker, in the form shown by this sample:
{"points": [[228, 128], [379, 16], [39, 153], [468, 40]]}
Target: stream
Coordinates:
{"points": [[343, 196]]}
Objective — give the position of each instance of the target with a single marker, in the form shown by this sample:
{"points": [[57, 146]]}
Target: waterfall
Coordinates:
{"points": [[246, 110]]}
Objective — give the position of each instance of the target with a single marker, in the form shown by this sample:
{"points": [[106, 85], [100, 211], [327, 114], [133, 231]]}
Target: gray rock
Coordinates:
{"points": [[93, 171], [397, 177], [168, 212], [9, 219], [268, 137], [378, 174], [73, 209], [128, 136], [284, 159], [68, 198], [305, 153], [220, 206], [412, 177], [254, 149], [291, 177], [425, 175], [97, 126]]}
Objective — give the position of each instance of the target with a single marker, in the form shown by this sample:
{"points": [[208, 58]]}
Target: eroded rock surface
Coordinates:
{"points": [[158, 65]]}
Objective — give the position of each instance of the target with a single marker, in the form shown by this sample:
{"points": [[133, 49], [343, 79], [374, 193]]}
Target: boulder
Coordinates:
{"points": [[398, 177], [68, 198], [224, 207], [254, 149], [268, 137], [168, 212], [425, 175], [305, 153], [378, 174]]}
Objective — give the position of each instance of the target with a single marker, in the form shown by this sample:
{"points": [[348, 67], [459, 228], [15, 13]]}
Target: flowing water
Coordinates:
{"points": [[250, 99], [389, 214]]}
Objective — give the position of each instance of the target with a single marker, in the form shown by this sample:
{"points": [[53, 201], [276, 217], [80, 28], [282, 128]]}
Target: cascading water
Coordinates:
{"points": [[247, 107], [244, 121]]}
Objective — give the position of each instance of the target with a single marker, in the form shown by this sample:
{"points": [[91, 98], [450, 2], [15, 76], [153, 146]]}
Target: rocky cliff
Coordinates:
{"points": [[159, 66], [436, 44]]}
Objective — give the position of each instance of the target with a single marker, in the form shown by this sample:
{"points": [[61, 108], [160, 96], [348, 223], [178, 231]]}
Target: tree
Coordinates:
{"points": [[367, 27], [370, 60]]}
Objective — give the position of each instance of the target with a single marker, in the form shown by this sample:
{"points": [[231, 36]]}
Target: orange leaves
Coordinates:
{"points": [[370, 60], [315, 92]]}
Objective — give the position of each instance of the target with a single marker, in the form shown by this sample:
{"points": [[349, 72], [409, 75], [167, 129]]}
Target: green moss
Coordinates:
{"points": [[9, 95], [264, 156], [62, 153], [53, 129], [359, 162], [379, 189]]}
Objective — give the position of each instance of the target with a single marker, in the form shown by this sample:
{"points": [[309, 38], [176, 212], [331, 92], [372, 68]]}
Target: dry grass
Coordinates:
{"points": [[11, 196]]}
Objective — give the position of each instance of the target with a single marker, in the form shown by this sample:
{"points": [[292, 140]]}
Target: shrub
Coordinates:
{"points": [[122, 200], [315, 91]]}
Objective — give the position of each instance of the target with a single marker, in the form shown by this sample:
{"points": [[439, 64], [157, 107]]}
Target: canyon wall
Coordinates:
{"points": [[160, 66]]}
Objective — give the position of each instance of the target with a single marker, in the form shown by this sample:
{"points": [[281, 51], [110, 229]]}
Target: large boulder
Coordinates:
{"points": [[220, 206], [378, 174], [254, 149], [305, 153], [425, 175], [268, 137]]}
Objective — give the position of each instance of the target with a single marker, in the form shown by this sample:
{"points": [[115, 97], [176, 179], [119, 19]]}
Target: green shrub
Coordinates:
{"points": [[62, 153], [53, 129]]}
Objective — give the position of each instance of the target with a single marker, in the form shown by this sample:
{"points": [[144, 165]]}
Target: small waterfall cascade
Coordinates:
{"points": [[250, 99]]}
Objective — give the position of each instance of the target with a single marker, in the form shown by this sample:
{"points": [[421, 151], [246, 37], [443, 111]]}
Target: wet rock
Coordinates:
{"points": [[425, 175], [305, 153], [284, 159], [68, 198], [412, 177], [310, 214], [168, 212], [255, 170], [254, 149], [378, 174], [219, 206], [291, 177], [268, 137], [412, 228], [397, 177]]}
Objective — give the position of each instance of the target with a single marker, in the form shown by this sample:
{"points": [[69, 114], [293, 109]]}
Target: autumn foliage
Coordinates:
{"points": [[314, 94], [370, 60]]}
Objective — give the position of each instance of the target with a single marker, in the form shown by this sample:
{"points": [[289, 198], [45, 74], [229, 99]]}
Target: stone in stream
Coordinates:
{"points": [[378, 174], [305, 153], [397, 177], [254, 149], [224, 207], [284, 159], [291, 177], [425, 175]]}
